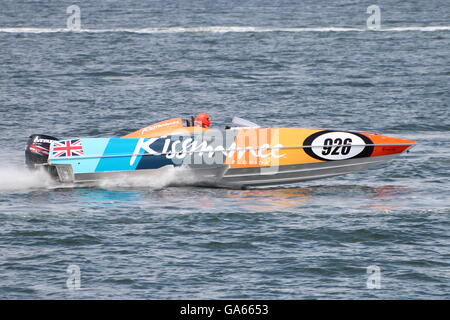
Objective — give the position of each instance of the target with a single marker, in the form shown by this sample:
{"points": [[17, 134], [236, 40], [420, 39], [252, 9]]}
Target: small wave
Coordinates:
{"points": [[159, 179], [17, 179], [429, 28], [221, 29], [22, 179]]}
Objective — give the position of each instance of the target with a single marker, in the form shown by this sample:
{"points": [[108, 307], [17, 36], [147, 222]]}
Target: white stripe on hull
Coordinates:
{"points": [[297, 173], [244, 177]]}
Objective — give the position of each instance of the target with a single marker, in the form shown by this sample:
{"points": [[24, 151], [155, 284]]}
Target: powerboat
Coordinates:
{"points": [[237, 156]]}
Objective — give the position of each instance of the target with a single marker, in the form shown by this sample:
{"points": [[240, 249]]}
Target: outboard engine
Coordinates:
{"points": [[37, 151]]}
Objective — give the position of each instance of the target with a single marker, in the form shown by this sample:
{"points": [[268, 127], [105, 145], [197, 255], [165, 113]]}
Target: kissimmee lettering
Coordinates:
{"points": [[179, 149]]}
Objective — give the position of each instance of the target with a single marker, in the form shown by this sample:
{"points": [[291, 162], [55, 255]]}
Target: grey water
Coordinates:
{"points": [[278, 63]]}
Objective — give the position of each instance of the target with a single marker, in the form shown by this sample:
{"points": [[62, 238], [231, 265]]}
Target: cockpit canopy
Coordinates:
{"points": [[177, 125]]}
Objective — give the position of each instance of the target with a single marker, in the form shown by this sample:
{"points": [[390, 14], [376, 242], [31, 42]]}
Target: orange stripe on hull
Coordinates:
{"points": [[384, 142]]}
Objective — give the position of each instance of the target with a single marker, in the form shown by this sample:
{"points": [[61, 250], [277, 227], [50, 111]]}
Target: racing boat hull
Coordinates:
{"points": [[237, 157], [299, 172]]}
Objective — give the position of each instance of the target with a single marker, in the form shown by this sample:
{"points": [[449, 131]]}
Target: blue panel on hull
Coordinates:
{"points": [[93, 149], [128, 147], [118, 156], [153, 162]]}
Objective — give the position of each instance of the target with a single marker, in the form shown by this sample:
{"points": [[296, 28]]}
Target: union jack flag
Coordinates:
{"points": [[67, 148]]}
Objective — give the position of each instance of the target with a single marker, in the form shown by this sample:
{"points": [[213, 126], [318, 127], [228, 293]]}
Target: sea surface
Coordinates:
{"points": [[278, 63]]}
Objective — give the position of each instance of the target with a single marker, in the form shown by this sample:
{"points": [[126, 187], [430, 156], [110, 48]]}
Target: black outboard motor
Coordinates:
{"points": [[37, 151]]}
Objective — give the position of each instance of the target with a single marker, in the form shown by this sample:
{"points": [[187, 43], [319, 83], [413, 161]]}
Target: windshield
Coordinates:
{"points": [[244, 123]]}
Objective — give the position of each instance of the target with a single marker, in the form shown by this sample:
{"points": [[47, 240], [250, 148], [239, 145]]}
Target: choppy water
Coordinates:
{"points": [[278, 63]]}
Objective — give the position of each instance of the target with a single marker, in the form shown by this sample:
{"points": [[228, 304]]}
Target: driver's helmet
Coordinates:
{"points": [[202, 120]]}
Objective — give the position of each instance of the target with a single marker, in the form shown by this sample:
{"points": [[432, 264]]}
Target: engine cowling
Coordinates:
{"points": [[37, 151]]}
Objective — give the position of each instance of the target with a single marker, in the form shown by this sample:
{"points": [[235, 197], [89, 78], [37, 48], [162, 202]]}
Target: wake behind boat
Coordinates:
{"points": [[237, 156]]}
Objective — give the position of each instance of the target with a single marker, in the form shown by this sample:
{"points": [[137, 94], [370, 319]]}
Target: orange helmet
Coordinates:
{"points": [[202, 120]]}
